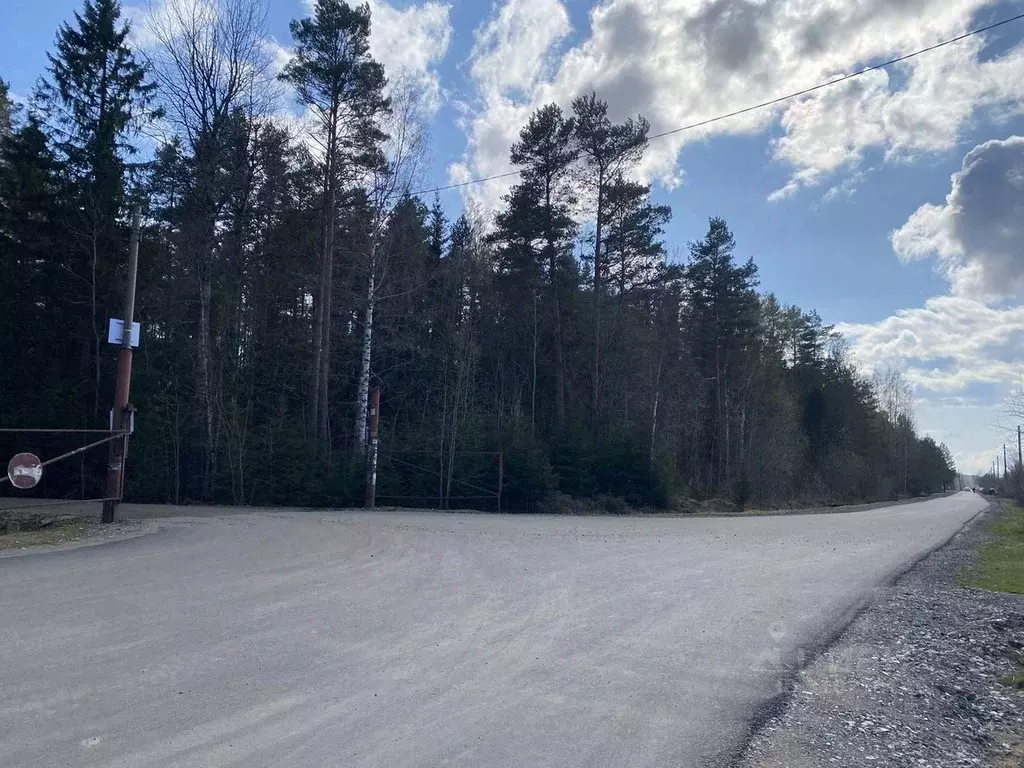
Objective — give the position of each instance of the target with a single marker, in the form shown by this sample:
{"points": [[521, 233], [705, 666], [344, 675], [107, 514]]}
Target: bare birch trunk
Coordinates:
{"points": [[654, 409], [363, 392]]}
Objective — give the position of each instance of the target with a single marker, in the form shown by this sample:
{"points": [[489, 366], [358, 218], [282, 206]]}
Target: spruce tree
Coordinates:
{"points": [[94, 101]]}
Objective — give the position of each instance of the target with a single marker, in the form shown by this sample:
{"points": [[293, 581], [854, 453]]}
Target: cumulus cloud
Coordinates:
{"points": [[683, 61], [963, 350], [950, 344], [410, 43], [977, 236], [511, 58]]}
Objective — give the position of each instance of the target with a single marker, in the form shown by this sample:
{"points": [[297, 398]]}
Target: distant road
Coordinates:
{"points": [[419, 639]]}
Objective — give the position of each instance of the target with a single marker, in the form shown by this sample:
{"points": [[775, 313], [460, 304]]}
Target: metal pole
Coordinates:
{"points": [[119, 448], [371, 457]]}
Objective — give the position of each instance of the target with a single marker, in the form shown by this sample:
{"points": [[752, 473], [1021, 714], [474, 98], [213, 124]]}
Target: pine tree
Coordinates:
{"points": [[546, 155], [608, 151], [97, 97], [336, 78], [40, 374], [722, 307], [634, 254]]}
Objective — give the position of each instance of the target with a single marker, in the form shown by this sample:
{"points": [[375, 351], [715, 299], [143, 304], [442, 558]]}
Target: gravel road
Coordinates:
{"points": [[914, 682], [418, 639]]}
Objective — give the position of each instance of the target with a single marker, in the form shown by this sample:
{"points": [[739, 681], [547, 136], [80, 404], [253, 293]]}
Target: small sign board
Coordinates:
{"points": [[131, 421], [115, 332], [24, 470]]}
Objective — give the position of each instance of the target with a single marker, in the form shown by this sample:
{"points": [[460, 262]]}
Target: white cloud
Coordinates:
{"points": [[978, 234], [961, 348], [949, 345], [511, 50], [411, 42], [682, 61], [278, 54], [512, 57], [943, 91]]}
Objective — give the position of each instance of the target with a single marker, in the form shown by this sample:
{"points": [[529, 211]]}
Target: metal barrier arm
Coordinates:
{"points": [[69, 454]]}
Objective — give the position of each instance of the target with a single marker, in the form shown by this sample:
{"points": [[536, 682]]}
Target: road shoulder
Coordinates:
{"points": [[68, 534], [919, 678]]}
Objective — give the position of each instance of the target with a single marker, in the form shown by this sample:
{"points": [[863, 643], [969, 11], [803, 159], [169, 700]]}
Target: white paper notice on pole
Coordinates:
{"points": [[115, 332], [131, 421]]}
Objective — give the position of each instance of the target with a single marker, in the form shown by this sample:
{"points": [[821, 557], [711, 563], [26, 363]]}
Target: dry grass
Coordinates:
{"points": [[58, 533]]}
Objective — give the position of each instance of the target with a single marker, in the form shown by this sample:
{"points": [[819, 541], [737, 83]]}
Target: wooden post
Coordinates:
{"points": [[121, 419], [1020, 464]]}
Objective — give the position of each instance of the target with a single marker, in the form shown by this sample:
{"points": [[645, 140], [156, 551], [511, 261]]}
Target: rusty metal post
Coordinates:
{"points": [[371, 456], [119, 448]]}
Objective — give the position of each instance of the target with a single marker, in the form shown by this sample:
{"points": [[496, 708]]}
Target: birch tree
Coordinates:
{"points": [[402, 151]]}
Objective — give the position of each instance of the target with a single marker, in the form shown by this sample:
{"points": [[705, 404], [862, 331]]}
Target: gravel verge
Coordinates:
{"points": [[85, 533], [913, 681]]}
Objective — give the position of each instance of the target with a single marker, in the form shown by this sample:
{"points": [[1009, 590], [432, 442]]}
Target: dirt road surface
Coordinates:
{"points": [[419, 639]]}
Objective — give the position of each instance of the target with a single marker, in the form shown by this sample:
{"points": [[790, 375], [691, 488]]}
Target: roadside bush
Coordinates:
{"points": [[740, 492], [528, 480], [572, 460], [613, 505], [622, 468]]}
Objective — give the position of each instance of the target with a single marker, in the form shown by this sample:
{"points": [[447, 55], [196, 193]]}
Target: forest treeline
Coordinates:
{"points": [[286, 271]]}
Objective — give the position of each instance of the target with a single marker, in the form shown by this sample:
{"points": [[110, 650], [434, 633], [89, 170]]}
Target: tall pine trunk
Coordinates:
{"points": [[319, 394], [559, 361], [203, 381]]}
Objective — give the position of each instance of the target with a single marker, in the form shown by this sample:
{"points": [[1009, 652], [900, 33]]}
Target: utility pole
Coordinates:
{"points": [[119, 448], [1006, 467], [1020, 462]]}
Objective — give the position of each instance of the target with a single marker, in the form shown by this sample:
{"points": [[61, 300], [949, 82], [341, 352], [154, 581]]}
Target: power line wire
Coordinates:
{"points": [[769, 103]]}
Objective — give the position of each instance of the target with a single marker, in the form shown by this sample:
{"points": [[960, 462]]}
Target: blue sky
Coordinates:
{"points": [[840, 197]]}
